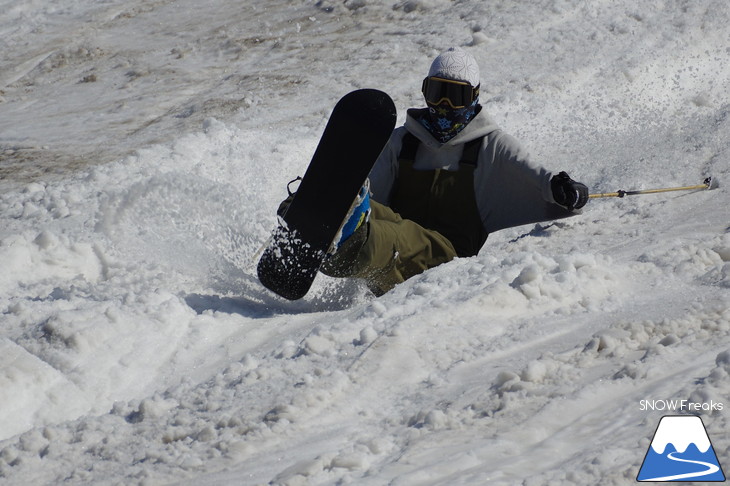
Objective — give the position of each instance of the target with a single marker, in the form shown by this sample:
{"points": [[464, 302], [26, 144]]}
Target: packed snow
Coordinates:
{"points": [[145, 145]]}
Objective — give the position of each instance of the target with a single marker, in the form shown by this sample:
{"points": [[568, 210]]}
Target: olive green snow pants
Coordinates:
{"points": [[388, 250]]}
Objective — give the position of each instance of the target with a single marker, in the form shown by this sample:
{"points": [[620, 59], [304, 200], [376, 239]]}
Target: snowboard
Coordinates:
{"points": [[355, 134]]}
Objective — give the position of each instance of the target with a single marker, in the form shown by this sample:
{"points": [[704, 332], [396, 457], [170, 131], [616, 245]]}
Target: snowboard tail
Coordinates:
{"points": [[357, 131]]}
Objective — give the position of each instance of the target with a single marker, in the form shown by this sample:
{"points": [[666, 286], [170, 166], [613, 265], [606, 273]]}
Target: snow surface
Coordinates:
{"points": [[144, 146]]}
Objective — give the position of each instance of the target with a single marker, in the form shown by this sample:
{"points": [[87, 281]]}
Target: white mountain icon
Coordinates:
{"points": [[680, 451], [680, 431]]}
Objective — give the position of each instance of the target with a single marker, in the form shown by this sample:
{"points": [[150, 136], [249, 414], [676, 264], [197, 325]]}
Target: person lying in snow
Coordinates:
{"points": [[443, 182]]}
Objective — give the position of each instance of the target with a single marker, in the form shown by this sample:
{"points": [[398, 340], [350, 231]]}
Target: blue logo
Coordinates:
{"points": [[681, 451]]}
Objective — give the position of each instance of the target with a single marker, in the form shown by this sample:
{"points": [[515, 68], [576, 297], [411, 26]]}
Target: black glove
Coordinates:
{"points": [[567, 192]]}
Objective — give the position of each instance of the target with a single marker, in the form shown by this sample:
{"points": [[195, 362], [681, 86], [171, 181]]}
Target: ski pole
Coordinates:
{"points": [[706, 184]]}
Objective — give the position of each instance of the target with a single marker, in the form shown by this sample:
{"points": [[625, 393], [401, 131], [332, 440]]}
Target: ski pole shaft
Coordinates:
{"points": [[706, 184]]}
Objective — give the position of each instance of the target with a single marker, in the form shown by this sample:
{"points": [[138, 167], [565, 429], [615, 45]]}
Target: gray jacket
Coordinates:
{"points": [[510, 190]]}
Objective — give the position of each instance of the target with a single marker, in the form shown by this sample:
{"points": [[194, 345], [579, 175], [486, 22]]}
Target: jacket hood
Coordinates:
{"points": [[481, 125]]}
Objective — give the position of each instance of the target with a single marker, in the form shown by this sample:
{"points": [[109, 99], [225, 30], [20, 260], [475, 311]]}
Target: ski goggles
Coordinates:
{"points": [[457, 94]]}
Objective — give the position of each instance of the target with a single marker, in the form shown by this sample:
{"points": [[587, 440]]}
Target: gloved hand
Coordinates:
{"points": [[567, 192]]}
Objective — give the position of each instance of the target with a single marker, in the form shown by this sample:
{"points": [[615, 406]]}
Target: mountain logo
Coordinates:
{"points": [[681, 451]]}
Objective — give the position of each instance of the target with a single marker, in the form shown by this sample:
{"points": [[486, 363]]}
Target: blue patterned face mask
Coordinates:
{"points": [[445, 122]]}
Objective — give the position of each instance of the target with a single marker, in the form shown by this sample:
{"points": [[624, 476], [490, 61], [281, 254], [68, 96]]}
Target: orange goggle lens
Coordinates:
{"points": [[458, 94]]}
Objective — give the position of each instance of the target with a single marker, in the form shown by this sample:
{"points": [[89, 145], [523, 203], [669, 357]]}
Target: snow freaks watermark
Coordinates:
{"points": [[680, 406], [680, 450]]}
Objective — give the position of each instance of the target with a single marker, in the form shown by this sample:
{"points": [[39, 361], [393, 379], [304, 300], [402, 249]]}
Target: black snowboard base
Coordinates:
{"points": [[357, 131]]}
